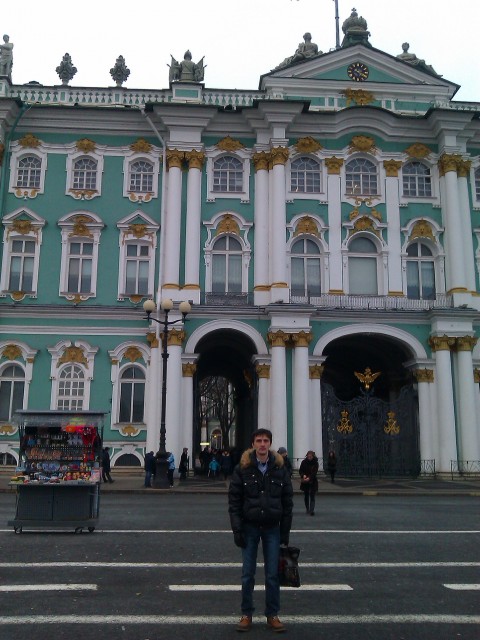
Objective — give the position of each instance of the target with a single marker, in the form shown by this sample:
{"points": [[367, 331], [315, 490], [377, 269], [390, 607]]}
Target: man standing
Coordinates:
{"points": [[260, 501]]}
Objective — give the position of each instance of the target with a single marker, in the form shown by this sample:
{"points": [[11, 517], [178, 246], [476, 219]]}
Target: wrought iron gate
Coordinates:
{"points": [[372, 437]]}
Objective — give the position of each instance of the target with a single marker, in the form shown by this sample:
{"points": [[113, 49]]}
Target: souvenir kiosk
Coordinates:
{"points": [[59, 471]]}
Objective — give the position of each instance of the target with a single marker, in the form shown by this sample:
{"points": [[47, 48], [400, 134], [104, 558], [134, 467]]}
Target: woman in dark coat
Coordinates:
{"points": [[308, 480]]}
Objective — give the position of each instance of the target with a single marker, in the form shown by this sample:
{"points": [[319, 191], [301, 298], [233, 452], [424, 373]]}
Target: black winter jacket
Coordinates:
{"points": [[262, 500]]}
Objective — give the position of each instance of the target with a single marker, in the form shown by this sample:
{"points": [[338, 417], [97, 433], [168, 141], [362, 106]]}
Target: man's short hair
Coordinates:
{"points": [[262, 432]]}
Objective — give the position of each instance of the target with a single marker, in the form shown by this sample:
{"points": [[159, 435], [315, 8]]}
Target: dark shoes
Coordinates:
{"points": [[245, 623], [274, 623]]}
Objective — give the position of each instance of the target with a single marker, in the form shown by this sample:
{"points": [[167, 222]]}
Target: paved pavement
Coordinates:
{"points": [[132, 482]]}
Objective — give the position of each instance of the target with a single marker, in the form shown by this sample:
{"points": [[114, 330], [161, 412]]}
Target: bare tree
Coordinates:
{"points": [[217, 401]]}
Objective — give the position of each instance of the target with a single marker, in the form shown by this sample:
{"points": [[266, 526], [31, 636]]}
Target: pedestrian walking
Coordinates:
{"points": [[171, 468], [184, 464], [332, 465], [226, 463], [149, 467], [260, 499], [106, 477], [308, 480], [286, 460], [213, 468]]}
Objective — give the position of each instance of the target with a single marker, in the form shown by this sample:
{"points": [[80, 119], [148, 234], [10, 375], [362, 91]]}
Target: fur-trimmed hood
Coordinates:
{"points": [[248, 458]]}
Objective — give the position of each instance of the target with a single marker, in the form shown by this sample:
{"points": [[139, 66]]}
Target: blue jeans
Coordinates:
{"points": [[271, 550]]}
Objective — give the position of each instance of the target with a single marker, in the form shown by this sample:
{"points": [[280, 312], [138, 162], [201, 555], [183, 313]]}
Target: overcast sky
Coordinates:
{"points": [[240, 39]]}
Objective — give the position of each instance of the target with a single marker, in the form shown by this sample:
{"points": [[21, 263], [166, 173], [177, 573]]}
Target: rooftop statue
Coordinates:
{"points": [[65, 69], [120, 71], [306, 49], [186, 70], [6, 57], [412, 59], [355, 30]]}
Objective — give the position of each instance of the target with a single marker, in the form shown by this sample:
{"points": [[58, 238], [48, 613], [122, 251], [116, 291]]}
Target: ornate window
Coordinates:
{"points": [[477, 183], [417, 181], [227, 174], [137, 268], [80, 240], [29, 171], [361, 177], [132, 395], [305, 176], [71, 388], [20, 260], [12, 390], [227, 265], [138, 241], [362, 267], [420, 265], [141, 177], [305, 268], [85, 174]]}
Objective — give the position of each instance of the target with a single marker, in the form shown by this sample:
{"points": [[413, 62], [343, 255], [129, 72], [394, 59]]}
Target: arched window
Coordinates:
{"points": [[305, 176], [417, 180], [85, 174], [362, 266], [228, 174], [141, 177], [12, 386], [477, 183], [227, 265], [420, 272], [71, 388], [132, 395], [305, 268], [361, 177], [29, 172]]}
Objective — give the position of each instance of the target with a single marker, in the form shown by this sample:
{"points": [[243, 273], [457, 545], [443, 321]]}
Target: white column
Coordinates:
{"points": [[173, 220], [279, 290], [263, 400], [466, 224], [468, 437], [186, 426], [278, 387], [261, 279], [153, 396], [392, 204], [174, 431], [446, 413], [335, 284], [316, 430], [456, 280], [301, 414], [428, 449], [195, 161]]}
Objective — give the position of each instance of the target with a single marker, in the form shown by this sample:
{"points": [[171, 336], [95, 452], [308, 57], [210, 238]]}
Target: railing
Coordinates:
{"points": [[427, 468], [465, 468], [385, 303]]}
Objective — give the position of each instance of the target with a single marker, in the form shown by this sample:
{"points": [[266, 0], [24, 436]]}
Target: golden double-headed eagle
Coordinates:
{"points": [[367, 377]]}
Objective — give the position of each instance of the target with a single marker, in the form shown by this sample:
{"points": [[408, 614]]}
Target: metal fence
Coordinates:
{"points": [[469, 468]]}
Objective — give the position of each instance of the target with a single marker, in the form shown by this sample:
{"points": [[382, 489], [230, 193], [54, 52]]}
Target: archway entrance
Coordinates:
{"points": [[225, 367], [370, 407]]}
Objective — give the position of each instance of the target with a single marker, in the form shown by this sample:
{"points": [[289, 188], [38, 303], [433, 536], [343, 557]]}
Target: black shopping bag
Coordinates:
{"points": [[288, 572]]}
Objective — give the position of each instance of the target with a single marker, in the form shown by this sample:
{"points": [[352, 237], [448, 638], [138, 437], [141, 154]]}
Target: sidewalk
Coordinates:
{"points": [[132, 482]]}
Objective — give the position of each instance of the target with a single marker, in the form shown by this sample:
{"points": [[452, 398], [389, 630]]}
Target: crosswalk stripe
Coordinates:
{"points": [[233, 565], [131, 620], [48, 587], [463, 587], [259, 587]]}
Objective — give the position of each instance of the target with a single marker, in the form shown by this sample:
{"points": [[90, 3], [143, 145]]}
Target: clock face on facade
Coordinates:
{"points": [[358, 71]]}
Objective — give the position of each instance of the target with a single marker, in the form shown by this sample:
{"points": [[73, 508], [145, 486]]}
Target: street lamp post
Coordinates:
{"points": [[166, 305]]}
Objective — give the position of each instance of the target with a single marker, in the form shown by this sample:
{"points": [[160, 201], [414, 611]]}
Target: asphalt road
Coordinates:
{"points": [[160, 566]]}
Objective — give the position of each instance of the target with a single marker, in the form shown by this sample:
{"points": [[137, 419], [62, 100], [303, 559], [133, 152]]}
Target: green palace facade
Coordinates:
{"points": [[325, 228]]}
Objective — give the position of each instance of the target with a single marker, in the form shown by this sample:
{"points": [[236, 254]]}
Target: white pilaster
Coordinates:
{"points": [[335, 283], [466, 227], [263, 401], [468, 437], [278, 386], [153, 399], [456, 279], [174, 431], [279, 291], [193, 225], [428, 450], [316, 425], [394, 236], [186, 423], [301, 415]]}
